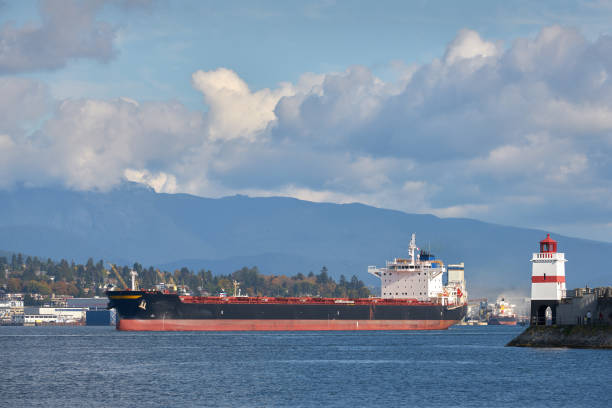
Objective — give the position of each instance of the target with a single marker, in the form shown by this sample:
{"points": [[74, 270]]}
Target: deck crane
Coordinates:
{"points": [[125, 286], [170, 284], [160, 276]]}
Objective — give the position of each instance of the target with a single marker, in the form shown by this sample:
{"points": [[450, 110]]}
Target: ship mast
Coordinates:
{"points": [[133, 274], [411, 248]]}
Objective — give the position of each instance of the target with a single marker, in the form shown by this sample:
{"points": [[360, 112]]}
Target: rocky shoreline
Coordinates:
{"points": [[574, 336]]}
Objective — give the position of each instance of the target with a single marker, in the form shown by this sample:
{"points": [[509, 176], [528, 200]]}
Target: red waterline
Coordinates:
{"points": [[278, 325]]}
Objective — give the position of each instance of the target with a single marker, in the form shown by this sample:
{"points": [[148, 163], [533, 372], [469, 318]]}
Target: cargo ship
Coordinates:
{"points": [[503, 314], [413, 297]]}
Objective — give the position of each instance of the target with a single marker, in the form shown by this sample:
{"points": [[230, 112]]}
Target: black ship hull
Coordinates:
{"points": [[145, 310]]}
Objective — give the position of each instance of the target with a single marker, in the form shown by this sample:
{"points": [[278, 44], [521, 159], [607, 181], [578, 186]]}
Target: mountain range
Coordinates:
{"points": [[279, 235]]}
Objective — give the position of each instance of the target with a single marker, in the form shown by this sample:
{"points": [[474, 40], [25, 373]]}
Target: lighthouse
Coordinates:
{"points": [[547, 281]]}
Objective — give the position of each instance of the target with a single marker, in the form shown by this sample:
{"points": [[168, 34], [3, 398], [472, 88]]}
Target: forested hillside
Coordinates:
{"points": [[39, 280]]}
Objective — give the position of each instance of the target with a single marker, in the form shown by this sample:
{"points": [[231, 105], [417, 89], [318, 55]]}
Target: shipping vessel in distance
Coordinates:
{"points": [[413, 297], [503, 314]]}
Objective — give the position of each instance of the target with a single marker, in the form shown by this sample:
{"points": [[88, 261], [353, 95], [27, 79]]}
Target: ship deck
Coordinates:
{"points": [[274, 300], [301, 300]]}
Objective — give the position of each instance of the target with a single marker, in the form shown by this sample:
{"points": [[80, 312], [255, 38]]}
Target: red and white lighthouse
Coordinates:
{"points": [[547, 280]]}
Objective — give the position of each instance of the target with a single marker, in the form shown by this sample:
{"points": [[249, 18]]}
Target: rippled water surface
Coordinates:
{"points": [[463, 366]]}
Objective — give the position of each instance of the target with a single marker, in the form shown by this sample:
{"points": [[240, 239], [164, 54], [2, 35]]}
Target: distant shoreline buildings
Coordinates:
{"points": [[62, 311]]}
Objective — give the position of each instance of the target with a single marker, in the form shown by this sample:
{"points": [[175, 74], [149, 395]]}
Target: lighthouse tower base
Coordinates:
{"points": [[538, 311]]}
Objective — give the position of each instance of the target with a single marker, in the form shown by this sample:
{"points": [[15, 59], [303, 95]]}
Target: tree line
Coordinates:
{"points": [[33, 276]]}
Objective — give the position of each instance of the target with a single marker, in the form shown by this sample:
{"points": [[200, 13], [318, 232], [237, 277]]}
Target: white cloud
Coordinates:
{"points": [[68, 30], [89, 144], [468, 45], [343, 103], [302, 193], [567, 117], [22, 102], [553, 48], [235, 111], [160, 182], [543, 157], [477, 211]]}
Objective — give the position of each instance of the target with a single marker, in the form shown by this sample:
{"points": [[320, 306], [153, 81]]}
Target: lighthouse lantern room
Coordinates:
{"points": [[547, 280]]}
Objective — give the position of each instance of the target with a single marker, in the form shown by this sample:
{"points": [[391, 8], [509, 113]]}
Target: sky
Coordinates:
{"points": [[497, 111]]}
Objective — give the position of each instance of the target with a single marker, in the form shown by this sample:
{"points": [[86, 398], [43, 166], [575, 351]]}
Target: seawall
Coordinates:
{"points": [[572, 336]]}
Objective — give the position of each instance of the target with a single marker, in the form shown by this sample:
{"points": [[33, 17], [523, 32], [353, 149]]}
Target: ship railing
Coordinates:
{"points": [[300, 300]]}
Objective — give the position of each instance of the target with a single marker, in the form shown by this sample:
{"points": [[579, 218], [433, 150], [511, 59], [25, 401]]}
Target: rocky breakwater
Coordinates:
{"points": [[571, 336]]}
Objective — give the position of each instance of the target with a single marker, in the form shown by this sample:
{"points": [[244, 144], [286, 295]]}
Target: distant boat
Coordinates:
{"points": [[503, 314]]}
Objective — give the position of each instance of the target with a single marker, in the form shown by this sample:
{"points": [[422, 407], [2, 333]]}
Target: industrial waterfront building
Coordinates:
{"points": [[74, 311]]}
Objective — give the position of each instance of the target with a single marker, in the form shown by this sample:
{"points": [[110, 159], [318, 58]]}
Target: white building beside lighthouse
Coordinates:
{"points": [[547, 280]]}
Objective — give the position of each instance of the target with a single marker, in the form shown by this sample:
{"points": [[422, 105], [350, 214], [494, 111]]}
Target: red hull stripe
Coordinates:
{"points": [[547, 279], [278, 325]]}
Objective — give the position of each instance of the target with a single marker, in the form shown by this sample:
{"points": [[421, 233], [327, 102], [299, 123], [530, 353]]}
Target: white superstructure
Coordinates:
{"points": [[504, 309], [548, 272], [419, 277], [456, 278]]}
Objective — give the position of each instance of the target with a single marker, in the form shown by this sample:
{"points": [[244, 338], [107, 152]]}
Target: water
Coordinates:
{"points": [[464, 366]]}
